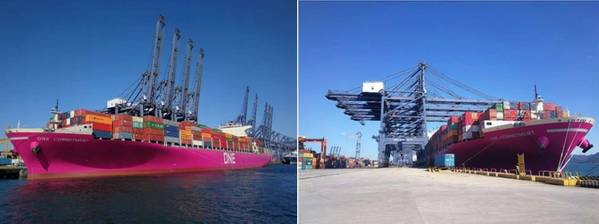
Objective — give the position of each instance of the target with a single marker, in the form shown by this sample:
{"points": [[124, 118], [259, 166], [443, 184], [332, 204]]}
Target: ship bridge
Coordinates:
{"points": [[404, 103]]}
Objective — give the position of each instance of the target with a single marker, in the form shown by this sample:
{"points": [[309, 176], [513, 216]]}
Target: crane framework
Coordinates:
{"points": [[163, 98], [280, 143], [409, 100]]}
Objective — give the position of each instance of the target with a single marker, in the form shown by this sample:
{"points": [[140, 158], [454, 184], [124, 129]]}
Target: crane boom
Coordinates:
{"points": [[254, 111], [244, 109], [155, 68], [186, 71], [172, 71], [198, 84]]}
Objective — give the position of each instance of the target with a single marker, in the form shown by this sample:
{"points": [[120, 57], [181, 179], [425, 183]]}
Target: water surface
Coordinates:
{"points": [[266, 195]]}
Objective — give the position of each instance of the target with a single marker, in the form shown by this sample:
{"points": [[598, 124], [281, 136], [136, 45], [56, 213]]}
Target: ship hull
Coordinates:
{"points": [[62, 155], [547, 146]]}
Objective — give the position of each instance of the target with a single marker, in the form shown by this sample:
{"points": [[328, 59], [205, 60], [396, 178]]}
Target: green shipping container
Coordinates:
{"points": [[499, 107], [137, 124], [149, 124]]}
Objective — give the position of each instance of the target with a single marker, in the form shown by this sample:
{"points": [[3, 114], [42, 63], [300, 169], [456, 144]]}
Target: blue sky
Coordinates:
{"points": [[502, 48], [86, 52]]}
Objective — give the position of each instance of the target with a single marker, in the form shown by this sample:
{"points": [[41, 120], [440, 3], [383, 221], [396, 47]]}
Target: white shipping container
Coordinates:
{"points": [[499, 115], [72, 114], [490, 123], [171, 122], [138, 119], [506, 105], [372, 87], [68, 121], [197, 143]]}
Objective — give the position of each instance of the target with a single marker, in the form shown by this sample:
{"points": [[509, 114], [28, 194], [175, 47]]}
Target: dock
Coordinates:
{"points": [[410, 195], [12, 172]]}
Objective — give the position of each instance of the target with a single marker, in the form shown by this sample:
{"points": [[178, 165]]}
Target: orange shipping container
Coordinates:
{"points": [[98, 119]]}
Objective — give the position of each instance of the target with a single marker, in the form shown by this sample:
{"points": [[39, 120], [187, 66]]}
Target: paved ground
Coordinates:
{"points": [[407, 195]]}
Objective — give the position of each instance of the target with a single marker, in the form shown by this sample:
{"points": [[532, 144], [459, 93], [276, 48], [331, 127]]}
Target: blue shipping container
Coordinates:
{"points": [[171, 128], [174, 134], [445, 160], [102, 134]]}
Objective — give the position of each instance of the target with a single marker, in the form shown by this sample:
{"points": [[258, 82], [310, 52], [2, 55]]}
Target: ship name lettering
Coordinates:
{"points": [[43, 139], [229, 157]]}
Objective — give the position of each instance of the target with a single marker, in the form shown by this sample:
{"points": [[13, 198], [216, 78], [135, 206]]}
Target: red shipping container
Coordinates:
{"points": [[469, 118], [510, 114], [153, 119], [186, 124], [489, 114], [123, 117], [101, 127], [122, 129], [123, 123], [83, 112], [526, 115], [549, 106], [453, 120]]}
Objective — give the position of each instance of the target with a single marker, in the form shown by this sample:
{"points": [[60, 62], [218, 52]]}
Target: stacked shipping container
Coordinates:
{"points": [[122, 126], [153, 129]]}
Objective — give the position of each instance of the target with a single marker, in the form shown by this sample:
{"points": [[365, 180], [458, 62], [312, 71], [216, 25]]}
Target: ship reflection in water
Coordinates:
{"points": [[266, 195]]}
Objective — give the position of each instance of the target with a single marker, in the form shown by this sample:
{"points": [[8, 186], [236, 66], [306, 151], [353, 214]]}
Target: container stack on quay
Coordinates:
{"points": [[305, 159], [445, 160]]}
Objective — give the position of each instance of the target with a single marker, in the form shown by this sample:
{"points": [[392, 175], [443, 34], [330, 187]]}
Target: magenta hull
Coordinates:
{"points": [[498, 149], [75, 155]]}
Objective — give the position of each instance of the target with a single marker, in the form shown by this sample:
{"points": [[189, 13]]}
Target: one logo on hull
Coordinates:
{"points": [[229, 157]]}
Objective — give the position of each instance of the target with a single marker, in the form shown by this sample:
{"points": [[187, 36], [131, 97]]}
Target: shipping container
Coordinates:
{"points": [[102, 134], [122, 135], [168, 139], [103, 119], [445, 160]]}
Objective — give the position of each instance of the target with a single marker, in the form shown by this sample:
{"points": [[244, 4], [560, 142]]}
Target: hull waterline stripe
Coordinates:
{"points": [[19, 138], [567, 130]]}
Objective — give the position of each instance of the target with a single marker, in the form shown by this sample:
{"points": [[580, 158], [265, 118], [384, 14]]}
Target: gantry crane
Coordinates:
{"points": [[323, 149], [358, 146], [164, 99], [404, 108]]}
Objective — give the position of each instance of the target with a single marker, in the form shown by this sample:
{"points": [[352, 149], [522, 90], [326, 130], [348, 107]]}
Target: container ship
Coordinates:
{"points": [[154, 131], [542, 134]]}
